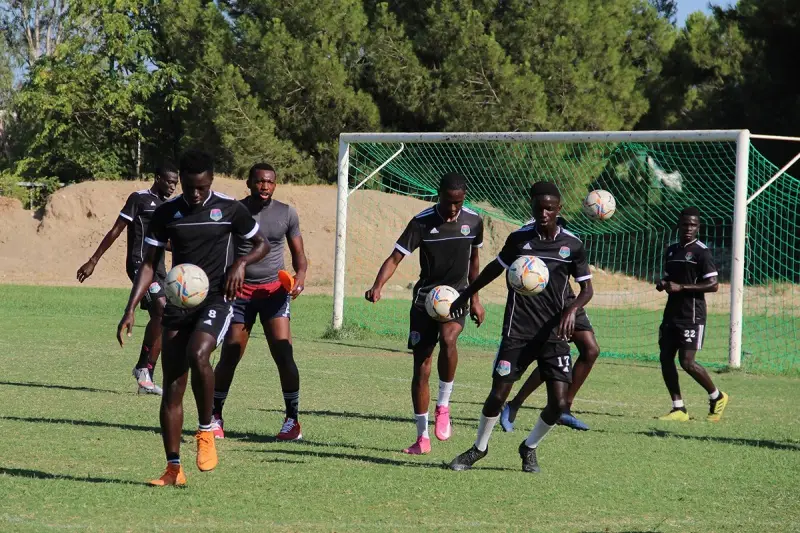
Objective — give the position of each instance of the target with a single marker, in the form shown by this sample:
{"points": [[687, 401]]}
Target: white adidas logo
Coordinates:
{"points": [[527, 246], [434, 230], [152, 204], [207, 322], [177, 215]]}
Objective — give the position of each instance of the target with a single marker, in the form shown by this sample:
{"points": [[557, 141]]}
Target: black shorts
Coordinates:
{"points": [[213, 316], [515, 356], [156, 289], [676, 337], [424, 331], [582, 322], [276, 305]]}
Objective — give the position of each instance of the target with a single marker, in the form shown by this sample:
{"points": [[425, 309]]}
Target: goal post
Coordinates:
{"points": [[386, 178]]}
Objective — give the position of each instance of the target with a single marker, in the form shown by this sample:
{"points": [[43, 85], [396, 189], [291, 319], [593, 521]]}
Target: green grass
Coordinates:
{"points": [[78, 443]]}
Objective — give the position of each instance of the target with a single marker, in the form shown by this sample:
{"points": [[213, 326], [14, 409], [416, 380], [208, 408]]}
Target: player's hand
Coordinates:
{"points": [[458, 307], [233, 285], [567, 325], [477, 313], [373, 294], [298, 287], [671, 287], [86, 270], [125, 324]]}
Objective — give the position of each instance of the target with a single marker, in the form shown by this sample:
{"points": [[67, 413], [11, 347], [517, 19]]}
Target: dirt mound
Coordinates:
{"points": [[50, 250]]}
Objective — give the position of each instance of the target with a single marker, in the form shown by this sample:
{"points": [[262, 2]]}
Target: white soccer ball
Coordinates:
{"points": [[599, 205], [187, 285], [437, 304], [528, 275]]}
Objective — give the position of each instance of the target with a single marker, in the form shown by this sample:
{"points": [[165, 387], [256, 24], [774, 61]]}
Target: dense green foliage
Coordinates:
{"points": [[107, 89]]}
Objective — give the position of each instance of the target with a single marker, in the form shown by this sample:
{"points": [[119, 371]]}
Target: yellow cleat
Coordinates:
{"points": [[676, 415], [716, 407], [206, 451], [173, 475]]}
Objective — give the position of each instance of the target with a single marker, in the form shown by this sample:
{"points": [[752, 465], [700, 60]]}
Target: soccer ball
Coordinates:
{"points": [[187, 285], [528, 275], [437, 304], [599, 205]]}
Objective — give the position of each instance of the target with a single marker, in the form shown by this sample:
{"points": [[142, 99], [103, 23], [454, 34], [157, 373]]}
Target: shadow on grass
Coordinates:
{"points": [[55, 386], [38, 474], [540, 407], [363, 416], [756, 443], [375, 460], [365, 346]]}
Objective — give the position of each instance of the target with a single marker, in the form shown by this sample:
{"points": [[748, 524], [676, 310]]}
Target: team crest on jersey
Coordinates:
{"points": [[155, 287], [564, 252], [689, 256], [503, 368], [414, 337], [216, 215], [465, 230]]}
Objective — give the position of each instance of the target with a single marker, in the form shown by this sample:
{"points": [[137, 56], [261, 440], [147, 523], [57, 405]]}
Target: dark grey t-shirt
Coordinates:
{"points": [[277, 222]]}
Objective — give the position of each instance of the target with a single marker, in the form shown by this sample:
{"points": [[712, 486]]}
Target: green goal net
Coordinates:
{"points": [[390, 182]]}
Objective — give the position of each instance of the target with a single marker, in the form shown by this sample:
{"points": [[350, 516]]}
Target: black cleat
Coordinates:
{"points": [[528, 456], [468, 458]]}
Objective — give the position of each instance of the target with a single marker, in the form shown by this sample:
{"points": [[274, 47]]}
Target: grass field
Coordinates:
{"points": [[78, 443]]}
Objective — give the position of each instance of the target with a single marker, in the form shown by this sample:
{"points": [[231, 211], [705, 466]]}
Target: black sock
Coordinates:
{"points": [[173, 458], [292, 401], [219, 401], [679, 408], [144, 357]]}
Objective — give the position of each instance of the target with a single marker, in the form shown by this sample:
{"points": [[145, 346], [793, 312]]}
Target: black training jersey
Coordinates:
{"points": [[687, 264], [201, 235], [445, 248], [527, 317], [137, 212]]}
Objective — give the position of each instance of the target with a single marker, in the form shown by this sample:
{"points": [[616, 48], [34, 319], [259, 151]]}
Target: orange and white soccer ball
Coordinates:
{"points": [[186, 286], [438, 302], [528, 275], [599, 205]]}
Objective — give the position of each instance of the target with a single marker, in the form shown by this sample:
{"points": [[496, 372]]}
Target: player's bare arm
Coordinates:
{"points": [[88, 268], [386, 271], [476, 310], [567, 325], [236, 274], [144, 277], [299, 263], [492, 271], [707, 285]]}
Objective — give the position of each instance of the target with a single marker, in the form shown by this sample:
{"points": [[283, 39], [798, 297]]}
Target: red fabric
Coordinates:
{"points": [[256, 291]]}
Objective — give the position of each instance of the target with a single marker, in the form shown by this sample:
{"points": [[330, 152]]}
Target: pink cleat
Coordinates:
{"points": [[421, 447], [442, 428], [217, 426]]}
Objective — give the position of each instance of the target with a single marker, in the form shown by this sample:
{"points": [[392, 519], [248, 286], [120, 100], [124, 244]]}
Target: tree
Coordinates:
{"points": [[34, 28]]}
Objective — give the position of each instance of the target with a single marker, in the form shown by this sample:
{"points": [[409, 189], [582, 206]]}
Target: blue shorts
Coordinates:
{"points": [[276, 305]]}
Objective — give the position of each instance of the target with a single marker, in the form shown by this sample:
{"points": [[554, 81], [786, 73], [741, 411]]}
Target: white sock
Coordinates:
{"points": [[537, 433], [677, 404], [714, 395], [445, 390], [485, 427], [422, 425]]}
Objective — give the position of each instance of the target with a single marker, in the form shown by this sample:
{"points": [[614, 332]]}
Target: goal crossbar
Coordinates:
{"points": [[740, 137]]}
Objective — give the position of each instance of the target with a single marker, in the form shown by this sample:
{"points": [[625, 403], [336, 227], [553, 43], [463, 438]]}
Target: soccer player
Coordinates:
{"points": [[135, 216], [535, 328], [263, 296], [586, 342], [448, 236], [689, 273], [198, 224]]}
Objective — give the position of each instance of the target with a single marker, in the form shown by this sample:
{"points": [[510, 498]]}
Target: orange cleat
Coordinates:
{"points": [[206, 451], [173, 475]]}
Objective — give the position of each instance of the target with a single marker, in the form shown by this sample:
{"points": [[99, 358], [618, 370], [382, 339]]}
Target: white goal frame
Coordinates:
{"points": [[740, 137]]}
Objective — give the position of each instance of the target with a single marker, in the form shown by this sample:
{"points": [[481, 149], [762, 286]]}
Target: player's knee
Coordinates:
{"points": [[687, 363], [494, 403], [282, 352], [422, 366], [448, 340], [156, 309], [590, 353]]}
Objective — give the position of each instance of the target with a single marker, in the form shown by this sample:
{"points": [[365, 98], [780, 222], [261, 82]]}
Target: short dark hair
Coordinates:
{"points": [[690, 212], [166, 167], [196, 162], [545, 188], [453, 181], [260, 166]]}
